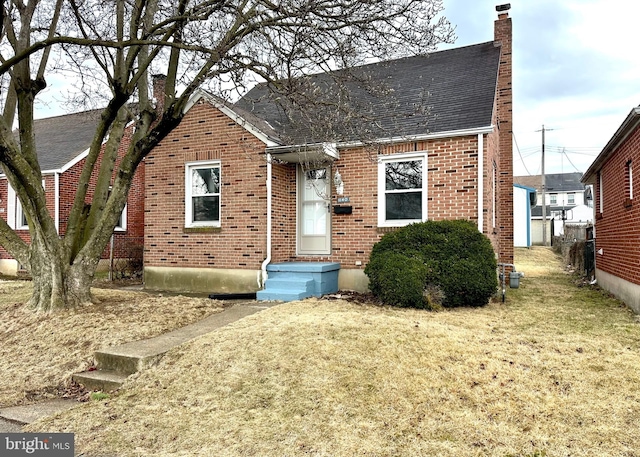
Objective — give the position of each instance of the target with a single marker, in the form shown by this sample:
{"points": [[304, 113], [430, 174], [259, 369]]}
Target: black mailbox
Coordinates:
{"points": [[339, 209]]}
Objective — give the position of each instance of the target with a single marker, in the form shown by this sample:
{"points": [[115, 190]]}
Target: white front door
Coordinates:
{"points": [[314, 211]]}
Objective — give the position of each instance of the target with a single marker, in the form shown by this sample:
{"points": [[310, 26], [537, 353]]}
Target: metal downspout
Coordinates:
{"points": [[267, 260], [480, 182], [56, 198]]}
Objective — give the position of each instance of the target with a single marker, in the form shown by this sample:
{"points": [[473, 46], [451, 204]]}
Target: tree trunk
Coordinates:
{"points": [[56, 285]]}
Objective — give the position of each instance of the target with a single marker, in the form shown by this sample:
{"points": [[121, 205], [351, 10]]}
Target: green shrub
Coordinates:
{"points": [[451, 257], [398, 280]]}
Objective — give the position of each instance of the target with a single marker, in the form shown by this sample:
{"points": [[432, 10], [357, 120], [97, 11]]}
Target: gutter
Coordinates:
{"points": [[331, 149], [263, 273], [425, 136]]}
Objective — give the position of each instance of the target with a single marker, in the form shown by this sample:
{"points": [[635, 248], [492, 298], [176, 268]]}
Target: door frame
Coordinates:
{"points": [[300, 181]]}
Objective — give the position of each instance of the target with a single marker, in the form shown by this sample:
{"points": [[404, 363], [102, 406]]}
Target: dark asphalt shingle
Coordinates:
{"points": [[61, 139], [457, 87]]}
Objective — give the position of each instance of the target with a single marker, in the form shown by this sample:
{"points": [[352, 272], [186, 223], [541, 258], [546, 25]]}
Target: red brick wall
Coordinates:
{"points": [[504, 115], [68, 182], [135, 199], [618, 228], [240, 242], [207, 134], [49, 186]]}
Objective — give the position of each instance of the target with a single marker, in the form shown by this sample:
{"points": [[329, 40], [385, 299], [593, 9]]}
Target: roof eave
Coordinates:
{"points": [[420, 137], [237, 118], [629, 125]]}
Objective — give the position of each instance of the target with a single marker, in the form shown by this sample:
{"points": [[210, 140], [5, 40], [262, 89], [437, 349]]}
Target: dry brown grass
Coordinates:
{"points": [[553, 372], [40, 352]]}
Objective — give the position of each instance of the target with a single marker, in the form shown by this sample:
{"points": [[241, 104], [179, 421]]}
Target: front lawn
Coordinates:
{"points": [[551, 372], [40, 352]]}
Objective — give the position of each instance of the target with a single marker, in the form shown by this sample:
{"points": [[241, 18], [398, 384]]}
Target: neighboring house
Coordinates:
{"points": [[62, 143], [614, 177], [523, 200], [236, 194], [567, 202]]}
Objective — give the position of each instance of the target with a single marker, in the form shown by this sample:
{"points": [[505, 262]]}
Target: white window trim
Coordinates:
{"points": [[630, 165], [20, 216], [494, 202], [188, 207], [569, 195], [600, 197], [123, 221], [382, 160], [123, 217]]}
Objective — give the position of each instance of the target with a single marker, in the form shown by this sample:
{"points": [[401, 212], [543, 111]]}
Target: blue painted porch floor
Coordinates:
{"points": [[289, 281]]}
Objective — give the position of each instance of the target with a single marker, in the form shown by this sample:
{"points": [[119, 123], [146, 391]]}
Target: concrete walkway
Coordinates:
{"points": [[144, 352]]}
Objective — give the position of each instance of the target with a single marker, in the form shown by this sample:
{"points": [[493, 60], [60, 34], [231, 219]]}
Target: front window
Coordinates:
{"points": [[402, 190], [553, 199], [21, 217], [571, 199], [202, 194]]}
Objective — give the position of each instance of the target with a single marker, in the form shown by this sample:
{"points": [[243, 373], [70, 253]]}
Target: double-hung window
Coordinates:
{"points": [[202, 194], [402, 189]]}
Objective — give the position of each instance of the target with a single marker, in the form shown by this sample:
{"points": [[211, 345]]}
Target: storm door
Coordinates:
{"points": [[314, 211]]}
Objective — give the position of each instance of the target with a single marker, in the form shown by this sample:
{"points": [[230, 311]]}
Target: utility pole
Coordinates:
{"points": [[544, 193], [544, 197]]}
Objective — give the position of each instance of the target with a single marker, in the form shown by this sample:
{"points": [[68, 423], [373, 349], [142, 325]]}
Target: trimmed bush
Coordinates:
{"points": [[452, 257]]}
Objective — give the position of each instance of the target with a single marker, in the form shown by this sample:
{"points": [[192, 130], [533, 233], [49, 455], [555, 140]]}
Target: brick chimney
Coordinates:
{"points": [[504, 112]]}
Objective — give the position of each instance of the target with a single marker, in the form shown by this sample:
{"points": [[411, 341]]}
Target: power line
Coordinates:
{"points": [[565, 154], [520, 154]]}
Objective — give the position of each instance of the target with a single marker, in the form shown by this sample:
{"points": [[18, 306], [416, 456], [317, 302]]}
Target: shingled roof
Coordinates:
{"points": [[61, 139], [444, 91], [555, 182]]}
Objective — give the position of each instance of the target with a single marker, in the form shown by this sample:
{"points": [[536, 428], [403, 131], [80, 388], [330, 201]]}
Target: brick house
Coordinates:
{"points": [[236, 193], [62, 143], [617, 212]]}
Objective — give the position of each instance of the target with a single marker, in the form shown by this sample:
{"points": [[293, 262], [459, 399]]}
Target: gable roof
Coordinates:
{"points": [[456, 86], [555, 182], [61, 139], [631, 122]]}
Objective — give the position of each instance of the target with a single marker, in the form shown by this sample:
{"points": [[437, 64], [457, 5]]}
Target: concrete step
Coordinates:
{"points": [[104, 380], [126, 362]]}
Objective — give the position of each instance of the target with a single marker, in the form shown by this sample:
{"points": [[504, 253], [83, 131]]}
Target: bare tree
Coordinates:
{"points": [[113, 46]]}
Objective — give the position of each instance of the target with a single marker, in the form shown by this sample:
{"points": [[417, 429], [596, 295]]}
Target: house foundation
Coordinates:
{"points": [[201, 280], [624, 290]]}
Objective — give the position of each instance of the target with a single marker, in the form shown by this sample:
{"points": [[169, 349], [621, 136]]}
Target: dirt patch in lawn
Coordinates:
{"points": [[40, 352], [553, 371]]}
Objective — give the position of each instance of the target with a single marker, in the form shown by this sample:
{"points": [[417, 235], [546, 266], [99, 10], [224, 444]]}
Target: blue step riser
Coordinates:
{"points": [[296, 281]]}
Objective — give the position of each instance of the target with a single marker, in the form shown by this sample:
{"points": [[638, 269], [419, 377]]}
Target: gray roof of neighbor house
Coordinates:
{"points": [[555, 182], [444, 91], [61, 139]]}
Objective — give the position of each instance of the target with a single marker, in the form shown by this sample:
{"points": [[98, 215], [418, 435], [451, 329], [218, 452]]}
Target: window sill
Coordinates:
{"points": [[202, 230], [388, 229], [628, 202]]}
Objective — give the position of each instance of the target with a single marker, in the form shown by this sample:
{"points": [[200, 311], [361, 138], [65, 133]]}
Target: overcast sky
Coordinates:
{"points": [[576, 69]]}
